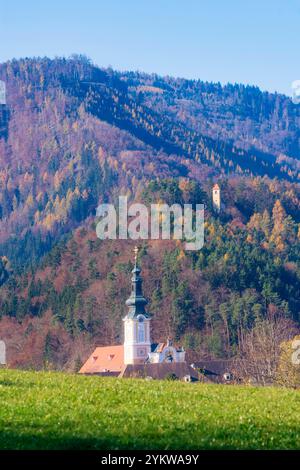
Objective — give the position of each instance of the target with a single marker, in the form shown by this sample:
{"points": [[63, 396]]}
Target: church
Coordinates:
{"points": [[138, 356]]}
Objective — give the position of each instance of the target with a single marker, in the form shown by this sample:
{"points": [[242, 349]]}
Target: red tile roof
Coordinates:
{"points": [[216, 186], [104, 359]]}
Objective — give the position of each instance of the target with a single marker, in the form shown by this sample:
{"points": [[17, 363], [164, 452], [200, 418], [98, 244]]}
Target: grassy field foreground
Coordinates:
{"points": [[47, 410]]}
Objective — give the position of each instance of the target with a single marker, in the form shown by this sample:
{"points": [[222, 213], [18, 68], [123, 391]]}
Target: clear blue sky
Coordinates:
{"points": [[247, 41]]}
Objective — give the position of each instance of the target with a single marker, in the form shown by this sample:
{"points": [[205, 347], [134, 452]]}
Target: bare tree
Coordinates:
{"points": [[260, 350]]}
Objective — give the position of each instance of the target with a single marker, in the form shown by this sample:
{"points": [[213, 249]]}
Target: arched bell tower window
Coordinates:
{"points": [[141, 329]]}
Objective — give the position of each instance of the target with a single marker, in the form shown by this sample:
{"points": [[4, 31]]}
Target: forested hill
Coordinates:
{"points": [[76, 130], [79, 135], [234, 128], [234, 113], [56, 312]]}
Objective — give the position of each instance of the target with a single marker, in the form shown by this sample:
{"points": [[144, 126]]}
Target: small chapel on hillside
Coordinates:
{"points": [[138, 356]]}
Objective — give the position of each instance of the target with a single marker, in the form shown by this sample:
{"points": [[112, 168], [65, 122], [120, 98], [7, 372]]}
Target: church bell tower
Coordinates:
{"points": [[137, 342]]}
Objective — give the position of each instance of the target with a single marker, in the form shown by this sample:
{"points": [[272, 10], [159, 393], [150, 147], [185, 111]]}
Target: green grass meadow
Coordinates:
{"points": [[51, 410]]}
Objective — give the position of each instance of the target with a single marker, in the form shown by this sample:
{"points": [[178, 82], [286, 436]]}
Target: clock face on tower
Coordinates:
{"points": [[141, 352]]}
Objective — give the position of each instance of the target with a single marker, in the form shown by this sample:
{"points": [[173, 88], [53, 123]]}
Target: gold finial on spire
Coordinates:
{"points": [[135, 250]]}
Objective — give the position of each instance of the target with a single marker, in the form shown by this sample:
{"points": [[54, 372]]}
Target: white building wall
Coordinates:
{"points": [[157, 357], [2, 92], [136, 352]]}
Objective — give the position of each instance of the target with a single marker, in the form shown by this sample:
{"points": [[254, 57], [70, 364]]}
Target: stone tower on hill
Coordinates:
{"points": [[216, 198]]}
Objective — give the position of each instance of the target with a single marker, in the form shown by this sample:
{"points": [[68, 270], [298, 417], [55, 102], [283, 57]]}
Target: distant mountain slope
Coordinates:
{"points": [[242, 114], [79, 134], [153, 119], [235, 128]]}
